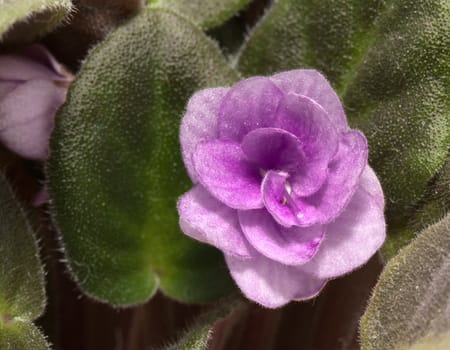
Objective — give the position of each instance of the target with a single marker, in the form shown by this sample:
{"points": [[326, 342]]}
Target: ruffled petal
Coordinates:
{"points": [[200, 123], [24, 68], [277, 200], [204, 218], [26, 117], [311, 83], [289, 246], [222, 169], [270, 283], [371, 184], [344, 172], [250, 104], [307, 180], [352, 238], [310, 123], [271, 148]]}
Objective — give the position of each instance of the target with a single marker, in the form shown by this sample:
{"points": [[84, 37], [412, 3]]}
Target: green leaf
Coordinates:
{"points": [[436, 202], [412, 298], [388, 61], [26, 19], [206, 14], [22, 295], [431, 343], [21, 335], [399, 236], [115, 170], [434, 205], [198, 335], [328, 35]]}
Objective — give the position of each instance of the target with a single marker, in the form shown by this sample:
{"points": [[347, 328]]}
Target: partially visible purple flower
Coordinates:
{"points": [[281, 185], [32, 87]]}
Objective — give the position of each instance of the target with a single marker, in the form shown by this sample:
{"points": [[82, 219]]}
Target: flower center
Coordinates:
{"points": [[287, 193]]}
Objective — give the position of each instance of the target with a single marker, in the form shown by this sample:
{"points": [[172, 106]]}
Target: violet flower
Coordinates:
{"points": [[281, 185], [32, 87]]}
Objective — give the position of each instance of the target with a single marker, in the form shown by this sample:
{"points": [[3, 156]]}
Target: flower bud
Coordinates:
{"points": [[33, 85]]}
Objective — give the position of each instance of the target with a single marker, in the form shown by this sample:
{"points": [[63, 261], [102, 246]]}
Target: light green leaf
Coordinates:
{"points": [[389, 61], [22, 295], [26, 19], [198, 335], [206, 14], [115, 169], [21, 335], [412, 298], [431, 343]]}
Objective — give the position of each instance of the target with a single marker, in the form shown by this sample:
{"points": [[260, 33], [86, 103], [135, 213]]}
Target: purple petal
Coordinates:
{"points": [[371, 184], [271, 148], [223, 170], [204, 218], [277, 199], [26, 117], [352, 239], [39, 53], [6, 86], [309, 122], [289, 246], [308, 180], [343, 178], [311, 83], [200, 123], [250, 104], [272, 284], [23, 68]]}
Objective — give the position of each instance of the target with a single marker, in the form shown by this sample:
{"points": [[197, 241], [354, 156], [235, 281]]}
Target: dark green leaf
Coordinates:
{"points": [[436, 202], [434, 205], [115, 170], [22, 295], [412, 298], [389, 61], [398, 237], [206, 14]]}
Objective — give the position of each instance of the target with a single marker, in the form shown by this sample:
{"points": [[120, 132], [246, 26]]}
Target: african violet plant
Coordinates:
{"points": [[300, 140]]}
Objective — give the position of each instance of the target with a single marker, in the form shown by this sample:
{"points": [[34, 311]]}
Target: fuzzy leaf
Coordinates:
{"points": [[22, 295], [21, 335], [436, 202], [434, 205], [198, 335], [412, 298], [115, 169], [206, 14], [431, 343], [389, 62], [26, 19]]}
